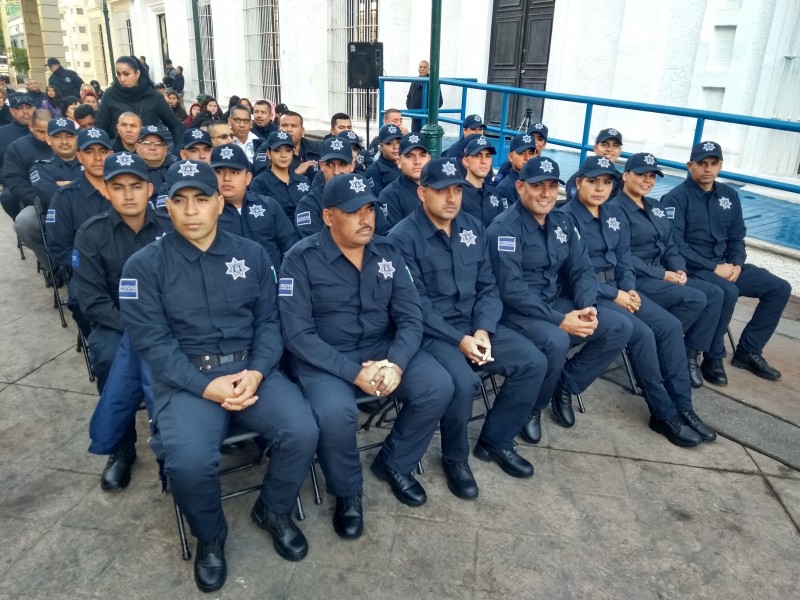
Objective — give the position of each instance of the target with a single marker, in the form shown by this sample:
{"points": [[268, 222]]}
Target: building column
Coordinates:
{"points": [[43, 34]]}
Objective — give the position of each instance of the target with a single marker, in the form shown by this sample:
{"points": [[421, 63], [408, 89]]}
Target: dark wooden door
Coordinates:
{"points": [[518, 56]]}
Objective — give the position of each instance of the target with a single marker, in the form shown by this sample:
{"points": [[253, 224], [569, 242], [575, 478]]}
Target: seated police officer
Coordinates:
{"points": [[359, 155], [200, 307], [709, 230], [400, 197], [471, 125], [522, 149], [279, 181], [152, 147], [196, 145], [19, 158], [538, 133], [102, 245], [656, 342], [384, 168], [352, 323], [608, 144], [255, 217], [480, 199], [549, 293], [447, 252]]}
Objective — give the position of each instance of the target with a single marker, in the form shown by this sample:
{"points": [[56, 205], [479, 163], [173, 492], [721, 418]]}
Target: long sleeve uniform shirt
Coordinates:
{"points": [[19, 159], [507, 187], [381, 173], [400, 199], [287, 195], [47, 172], [308, 214], [483, 203]]}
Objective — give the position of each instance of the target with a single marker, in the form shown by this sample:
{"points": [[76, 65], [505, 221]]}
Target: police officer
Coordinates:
{"points": [[659, 266], [539, 133], [21, 108], [360, 155], [19, 159], [200, 307], [471, 125], [152, 147], [279, 181], [128, 130], [549, 293], [656, 342], [257, 218], [709, 230], [400, 197], [102, 245], [521, 149], [447, 252], [479, 198], [607, 143], [352, 323], [384, 168], [46, 176], [66, 81], [196, 145]]}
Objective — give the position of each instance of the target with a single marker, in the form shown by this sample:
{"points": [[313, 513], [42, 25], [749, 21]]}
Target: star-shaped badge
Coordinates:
{"points": [[526, 138], [539, 126], [449, 169], [236, 269], [256, 210], [658, 212], [93, 133], [226, 153], [302, 187], [476, 118], [337, 144], [708, 146], [282, 135], [649, 159], [391, 129], [413, 138], [604, 162], [124, 159], [612, 131], [151, 129], [560, 235], [188, 169], [481, 141], [197, 134], [386, 269], [357, 185], [494, 200], [725, 203], [546, 166], [61, 122], [467, 237], [613, 223], [352, 135]]}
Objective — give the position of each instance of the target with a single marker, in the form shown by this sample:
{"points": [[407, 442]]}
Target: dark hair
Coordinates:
{"points": [[206, 101], [339, 117], [167, 61], [66, 102], [136, 65], [233, 102], [262, 103], [240, 107], [291, 113], [390, 110], [83, 111], [56, 99]]}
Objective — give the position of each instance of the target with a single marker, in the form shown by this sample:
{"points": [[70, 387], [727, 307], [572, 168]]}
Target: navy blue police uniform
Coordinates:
{"points": [[400, 196], [605, 134], [506, 186], [383, 171], [157, 174], [267, 183], [456, 149], [544, 272], [483, 203], [363, 160], [709, 230], [197, 315], [536, 129], [334, 317], [19, 159], [453, 274]]}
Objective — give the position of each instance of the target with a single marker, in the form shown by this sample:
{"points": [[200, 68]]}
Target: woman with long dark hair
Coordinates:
{"points": [[133, 91], [209, 111], [53, 101]]}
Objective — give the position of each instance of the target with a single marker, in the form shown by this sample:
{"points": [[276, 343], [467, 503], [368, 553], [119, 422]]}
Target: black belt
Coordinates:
{"points": [[206, 362], [607, 276]]}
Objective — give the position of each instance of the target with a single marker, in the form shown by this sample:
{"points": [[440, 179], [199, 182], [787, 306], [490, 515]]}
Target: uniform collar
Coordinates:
{"points": [[409, 184], [191, 252], [580, 212], [692, 184], [88, 189], [116, 219], [528, 220]]}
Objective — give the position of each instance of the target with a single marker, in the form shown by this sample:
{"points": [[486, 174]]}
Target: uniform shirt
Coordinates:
{"points": [[530, 261], [508, 186], [400, 199], [653, 249], [158, 177], [708, 226], [308, 215], [381, 173], [46, 172], [287, 195], [19, 159], [607, 241], [66, 81], [308, 151], [483, 203], [10, 133], [102, 245], [262, 220], [178, 301], [72, 205], [328, 307], [453, 274], [571, 188]]}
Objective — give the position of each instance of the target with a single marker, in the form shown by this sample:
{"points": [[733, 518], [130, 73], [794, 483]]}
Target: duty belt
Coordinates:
{"points": [[606, 276], [206, 362]]}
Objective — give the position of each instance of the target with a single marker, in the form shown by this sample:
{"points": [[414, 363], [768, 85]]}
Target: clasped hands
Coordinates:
{"points": [[234, 392], [630, 300], [378, 377], [477, 347]]}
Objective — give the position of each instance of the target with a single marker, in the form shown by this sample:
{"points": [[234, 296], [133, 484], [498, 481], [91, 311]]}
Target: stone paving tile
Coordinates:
{"points": [[29, 352], [67, 372], [770, 466], [42, 494], [19, 536], [788, 491]]}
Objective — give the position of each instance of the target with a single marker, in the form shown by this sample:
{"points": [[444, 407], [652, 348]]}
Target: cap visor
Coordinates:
{"points": [[348, 158], [642, 170], [102, 143], [230, 164], [205, 188], [598, 172], [353, 204], [488, 147], [280, 144], [522, 147], [124, 171], [443, 183], [194, 143], [390, 137], [703, 155], [538, 178], [410, 148]]}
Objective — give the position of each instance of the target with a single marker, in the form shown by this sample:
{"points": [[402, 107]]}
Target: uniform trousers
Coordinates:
{"points": [[523, 367], [658, 356], [754, 282], [188, 432], [586, 365], [697, 305], [425, 390]]}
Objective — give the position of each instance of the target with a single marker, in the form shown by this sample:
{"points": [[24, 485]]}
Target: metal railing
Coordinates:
{"points": [[700, 116]]}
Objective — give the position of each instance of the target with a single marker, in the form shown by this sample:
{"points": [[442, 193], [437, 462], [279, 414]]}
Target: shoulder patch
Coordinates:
{"points": [[506, 243], [51, 216], [128, 289], [286, 286], [303, 218], [670, 212], [35, 176], [161, 201], [76, 258]]}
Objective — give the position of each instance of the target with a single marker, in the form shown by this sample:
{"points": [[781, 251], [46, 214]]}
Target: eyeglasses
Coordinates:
{"points": [[241, 121], [224, 136], [152, 144]]}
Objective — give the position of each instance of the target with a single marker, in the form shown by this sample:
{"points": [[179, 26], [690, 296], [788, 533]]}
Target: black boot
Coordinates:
{"points": [[562, 406], [289, 541], [210, 568], [704, 431], [756, 364], [532, 430], [117, 472], [695, 376], [348, 518], [713, 371]]}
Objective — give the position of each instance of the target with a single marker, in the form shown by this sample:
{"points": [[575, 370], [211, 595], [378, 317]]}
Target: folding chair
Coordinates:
{"points": [[21, 251], [483, 376], [57, 302], [234, 436], [626, 364]]}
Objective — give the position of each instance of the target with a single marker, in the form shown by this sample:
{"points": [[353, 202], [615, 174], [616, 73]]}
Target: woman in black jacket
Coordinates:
{"points": [[209, 111], [133, 91]]}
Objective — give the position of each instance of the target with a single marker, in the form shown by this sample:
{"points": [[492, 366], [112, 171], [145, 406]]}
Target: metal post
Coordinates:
{"points": [[108, 37], [432, 131], [587, 123], [198, 49], [698, 130]]}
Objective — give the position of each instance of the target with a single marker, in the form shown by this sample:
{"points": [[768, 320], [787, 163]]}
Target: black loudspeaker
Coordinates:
{"points": [[364, 64]]}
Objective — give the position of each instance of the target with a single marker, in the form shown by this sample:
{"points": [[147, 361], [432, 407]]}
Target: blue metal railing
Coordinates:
{"points": [[700, 116]]}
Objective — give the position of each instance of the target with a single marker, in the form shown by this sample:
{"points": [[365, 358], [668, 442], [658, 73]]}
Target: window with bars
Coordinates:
{"points": [[207, 47], [124, 37], [262, 49], [350, 21]]}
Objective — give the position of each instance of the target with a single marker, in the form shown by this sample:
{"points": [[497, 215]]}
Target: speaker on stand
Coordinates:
{"points": [[364, 67]]}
